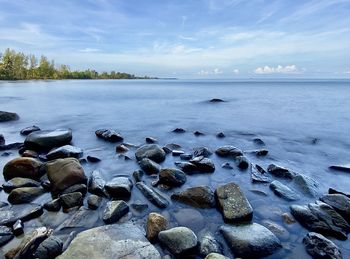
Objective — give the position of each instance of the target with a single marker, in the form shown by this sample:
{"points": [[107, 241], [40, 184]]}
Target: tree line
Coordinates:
{"points": [[19, 66]]}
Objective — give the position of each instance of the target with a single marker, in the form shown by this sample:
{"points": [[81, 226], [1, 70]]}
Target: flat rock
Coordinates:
{"points": [[109, 135], [200, 197], [24, 194], [155, 223], [307, 185], [119, 241], [6, 235], [172, 177], [343, 168], [228, 151], [233, 203], [51, 247], [71, 200], [280, 171], [8, 116], [149, 166], [178, 240], [283, 191], [119, 187], [152, 195], [96, 183], [340, 203], [64, 152], [114, 211], [320, 247], [16, 145], [10, 214], [48, 139], [26, 131], [19, 182], [151, 151], [250, 241], [259, 175], [25, 167]]}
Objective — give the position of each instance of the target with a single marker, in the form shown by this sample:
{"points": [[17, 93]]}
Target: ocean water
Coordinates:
{"points": [[304, 123]]}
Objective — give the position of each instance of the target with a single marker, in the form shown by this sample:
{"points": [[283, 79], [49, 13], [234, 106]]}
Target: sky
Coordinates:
{"points": [[185, 38]]}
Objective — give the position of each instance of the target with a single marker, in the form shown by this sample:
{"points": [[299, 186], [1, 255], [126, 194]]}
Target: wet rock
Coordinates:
{"points": [[137, 175], [76, 188], [49, 248], [64, 173], [287, 218], [96, 183], [172, 177], [150, 140], [16, 145], [277, 229], [2, 140], [54, 205], [228, 151], [149, 166], [185, 156], [209, 244], [334, 191], [215, 256], [119, 187], [343, 168], [202, 151], [200, 197], [47, 139], [121, 148], [322, 218], [109, 135], [18, 228], [259, 175], [259, 141], [227, 165], [19, 182], [155, 224], [139, 207], [6, 235], [306, 185], [198, 133], [151, 151], [81, 218], [24, 194], [279, 171], [10, 214], [283, 191], [64, 152], [94, 201], [216, 100], [179, 130], [152, 195], [340, 203], [30, 129], [111, 241], [114, 211], [23, 167], [320, 247], [233, 203], [220, 135], [93, 159], [250, 241], [178, 240], [203, 164], [173, 146], [125, 157], [259, 192], [30, 153], [242, 162], [71, 200], [8, 116], [177, 153], [187, 167], [260, 152]]}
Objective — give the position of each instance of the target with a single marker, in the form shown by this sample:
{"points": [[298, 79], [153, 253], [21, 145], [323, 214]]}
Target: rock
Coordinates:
{"points": [[3, 204], [198, 133], [233, 203], [121, 148], [71, 200], [6, 235], [343, 168], [93, 159], [320, 247], [259, 142], [26, 131], [139, 207], [137, 175], [178, 240], [260, 152], [23, 167], [228, 151], [306, 185], [279, 171], [64, 152], [242, 162], [203, 165], [96, 183], [2, 140], [283, 191], [16, 145], [114, 211], [179, 130], [150, 140], [49, 248], [76, 188], [202, 151], [152, 195], [109, 135], [227, 165], [172, 146], [185, 156], [30, 153], [117, 241], [151, 151], [155, 224], [209, 244], [54, 205], [322, 218], [216, 100], [250, 241], [172, 177], [119, 187], [19, 182], [10, 214], [215, 256], [94, 202], [333, 191], [18, 228], [81, 218], [259, 175], [64, 173], [24, 194], [200, 197], [340, 203], [220, 135], [187, 167], [177, 153], [8, 116], [287, 218], [47, 139], [277, 229], [149, 166]]}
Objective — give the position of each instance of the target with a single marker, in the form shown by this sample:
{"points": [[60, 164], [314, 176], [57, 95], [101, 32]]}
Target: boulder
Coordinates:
{"points": [[155, 224], [172, 177], [185, 156], [228, 151], [216, 100], [109, 135], [200, 197], [48, 139], [149, 166], [259, 141], [114, 211], [340, 203], [8, 116], [25, 167], [119, 187], [19, 182], [16, 145], [259, 175], [25, 194], [152, 195], [96, 183], [51, 247], [151, 151], [283, 191], [64, 152], [320, 247], [26, 131], [81, 218], [71, 200], [178, 240], [280, 171]]}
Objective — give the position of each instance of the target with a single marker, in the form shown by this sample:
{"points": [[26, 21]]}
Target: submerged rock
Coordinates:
{"points": [[320, 247], [155, 224], [96, 183], [109, 135], [80, 187], [25, 194], [49, 248], [10, 214], [283, 191], [25, 167], [220, 135], [202, 151], [334, 191], [114, 211], [8, 116], [48, 139], [228, 151], [119, 187], [306, 185], [152, 195], [151, 151], [19, 182], [279, 171], [30, 129], [178, 240], [343, 168], [172, 177], [216, 100], [2, 140], [340, 203], [149, 166], [200, 197], [259, 142], [6, 235], [198, 133], [209, 244], [259, 175], [64, 152]]}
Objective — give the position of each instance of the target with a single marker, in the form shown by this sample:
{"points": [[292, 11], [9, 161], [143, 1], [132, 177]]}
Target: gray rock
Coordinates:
{"points": [[178, 240], [25, 167], [260, 152], [280, 171], [250, 241], [203, 164], [155, 224], [283, 191], [19, 182], [48, 139], [117, 241], [277, 229], [26, 131], [121, 148], [259, 175], [209, 244], [94, 201], [119, 187], [10, 214], [64, 152], [114, 211], [25, 194], [340, 203], [149, 166], [228, 151], [320, 247], [51, 247], [17, 228], [343, 168], [54, 205], [259, 142], [233, 203], [139, 207], [71, 200], [242, 162], [6, 235], [8, 116], [306, 185], [109, 135], [202, 151], [152, 195], [200, 197], [137, 175], [172, 177], [215, 256], [96, 183], [151, 151], [216, 100]]}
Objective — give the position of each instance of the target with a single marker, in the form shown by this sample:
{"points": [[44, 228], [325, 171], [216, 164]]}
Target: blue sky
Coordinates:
{"points": [[185, 38]]}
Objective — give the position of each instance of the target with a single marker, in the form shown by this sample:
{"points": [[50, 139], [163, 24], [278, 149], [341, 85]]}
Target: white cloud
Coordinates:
{"points": [[88, 50], [215, 71], [236, 71], [289, 69]]}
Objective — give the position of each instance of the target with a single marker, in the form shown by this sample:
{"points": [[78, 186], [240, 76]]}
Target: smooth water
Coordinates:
{"points": [[287, 115]]}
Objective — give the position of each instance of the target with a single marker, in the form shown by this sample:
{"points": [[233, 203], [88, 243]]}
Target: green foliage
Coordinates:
{"points": [[18, 66]]}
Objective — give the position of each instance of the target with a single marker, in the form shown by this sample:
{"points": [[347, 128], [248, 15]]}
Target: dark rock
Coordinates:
{"points": [[340, 203], [185, 156], [259, 142], [19, 182], [51, 247], [149, 166], [259, 175], [250, 241], [260, 152], [96, 183], [93, 159], [18, 228], [10, 214], [47, 139], [23, 167], [150, 140], [178, 240], [2, 140], [233, 203], [114, 211], [121, 148], [6, 235], [209, 244], [287, 218], [30, 129], [227, 165], [5, 154], [279, 171], [202, 151], [242, 162], [198, 133], [177, 152], [94, 202], [228, 151], [179, 130], [283, 191], [8, 116], [152, 195], [307, 185], [203, 164], [119, 187], [71, 200], [64, 152], [172, 177], [220, 135], [76, 188], [187, 167], [25, 194], [16, 145], [334, 191], [46, 185], [137, 175], [151, 151], [320, 247], [343, 168], [54, 205], [109, 135], [216, 100], [155, 224], [200, 197]]}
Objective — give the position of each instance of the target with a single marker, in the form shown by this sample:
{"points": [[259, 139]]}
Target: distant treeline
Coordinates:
{"points": [[19, 66]]}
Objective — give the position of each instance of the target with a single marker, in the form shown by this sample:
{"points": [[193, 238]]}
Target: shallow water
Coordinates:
{"points": [[286, 115]]}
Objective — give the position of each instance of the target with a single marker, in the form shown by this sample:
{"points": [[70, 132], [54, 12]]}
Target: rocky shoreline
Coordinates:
{"points": [[51, 170]]}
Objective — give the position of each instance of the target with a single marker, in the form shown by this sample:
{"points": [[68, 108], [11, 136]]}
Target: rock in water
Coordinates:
{"points": [[71, 200], [25, 167], [334, 191], [307, 185], [24, 194], [119, 187], [152, 195], [202, 151], [5, 235], [119, 241], [2, 140], [94, 201], [209, 245], [242, 162], [172, 177], [49, 248], [151, 151], [26, 131], [280, 171], [48, 139], [64, 152], [344, 168], [203, 164], [259, 175], [114, 211], [250, 241], [178, 240], [54, 205], [8, 116], [109, 135], [340, 203], [10, 214], [228, 151], [200, 197], [96, 183], [149, 166], [19, 182], [320, 247], [233, 203], [283, 191], [155, 224]]}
